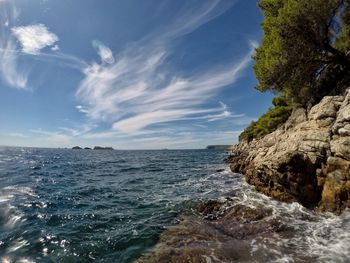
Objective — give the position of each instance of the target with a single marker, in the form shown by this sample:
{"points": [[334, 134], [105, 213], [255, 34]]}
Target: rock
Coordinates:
{"points": [[328, 107], [76, 148], [341, 147], [225, 238], [102, 148], [344, 114], [298, 116], [336, 188], [306, 160], [344, 131]]}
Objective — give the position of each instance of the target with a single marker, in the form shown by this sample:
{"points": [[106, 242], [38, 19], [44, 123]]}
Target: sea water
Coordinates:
{"points": [[62, 205]]}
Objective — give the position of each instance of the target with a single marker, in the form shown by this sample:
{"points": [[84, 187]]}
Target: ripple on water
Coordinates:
{"points": [[112, 207]]}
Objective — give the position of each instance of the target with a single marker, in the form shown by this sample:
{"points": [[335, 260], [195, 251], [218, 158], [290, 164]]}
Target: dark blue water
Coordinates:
{"points": [[111, 206], [62, 205]]}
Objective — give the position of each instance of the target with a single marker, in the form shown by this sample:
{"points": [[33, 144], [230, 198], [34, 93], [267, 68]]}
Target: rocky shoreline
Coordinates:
{"points": [[219, 231], [247, 226], [306, 160]]}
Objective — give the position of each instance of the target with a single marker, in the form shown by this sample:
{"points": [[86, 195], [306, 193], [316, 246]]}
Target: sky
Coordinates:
{"points": [[128, 74]]}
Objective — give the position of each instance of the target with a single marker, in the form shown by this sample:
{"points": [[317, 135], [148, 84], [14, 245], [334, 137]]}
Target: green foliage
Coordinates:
{"points": [[304, 51], [279, 101], [269, 122]]}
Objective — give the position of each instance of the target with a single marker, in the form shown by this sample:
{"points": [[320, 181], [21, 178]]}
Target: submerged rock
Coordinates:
{"points": [[306, 160], [222, 232]]}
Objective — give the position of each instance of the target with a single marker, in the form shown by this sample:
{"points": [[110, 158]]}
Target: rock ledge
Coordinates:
{"points": [[306, 160]]}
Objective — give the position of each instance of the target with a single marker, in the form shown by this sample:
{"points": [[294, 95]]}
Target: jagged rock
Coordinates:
{"points": [[336, 188], [306, 160], [345, 131], [328, 107], [298, 116], [224, 234], [341, 147]]}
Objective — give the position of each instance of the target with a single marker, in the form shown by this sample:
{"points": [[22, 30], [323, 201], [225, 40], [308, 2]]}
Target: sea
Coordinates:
{"points": [[63, 205]]}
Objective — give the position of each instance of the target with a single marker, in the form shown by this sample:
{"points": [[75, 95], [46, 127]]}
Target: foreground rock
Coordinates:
{"points": [[222, 235], [223, 232], [307, 160]]}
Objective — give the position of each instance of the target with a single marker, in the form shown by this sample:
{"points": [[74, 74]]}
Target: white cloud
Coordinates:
{"points": [[55, 48], [138, 90], [81, 108], [158, 138], [33, 38], [9, 70], [17, 134], [143, 120], [224, 115], [78, 129], [8, 66], [104, 52], [54, 139], [59, 139], [195, 16], [132, 87], [181, 140]]}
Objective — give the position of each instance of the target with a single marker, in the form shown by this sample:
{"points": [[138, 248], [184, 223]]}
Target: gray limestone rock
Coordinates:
{"points": [[306, 160]]}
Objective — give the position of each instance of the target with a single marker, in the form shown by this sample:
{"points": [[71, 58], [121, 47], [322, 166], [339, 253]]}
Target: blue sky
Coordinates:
{"points": [[129, 74]]}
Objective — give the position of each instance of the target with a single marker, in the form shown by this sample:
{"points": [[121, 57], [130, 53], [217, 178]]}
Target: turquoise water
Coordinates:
{"points": [[62, 205]]}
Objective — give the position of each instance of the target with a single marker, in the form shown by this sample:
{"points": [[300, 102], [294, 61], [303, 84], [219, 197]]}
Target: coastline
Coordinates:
{"points": [[306, 160], [305, 164], [248, 226]]}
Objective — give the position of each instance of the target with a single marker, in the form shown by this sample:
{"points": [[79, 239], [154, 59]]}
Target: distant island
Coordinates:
{"points": [[95, 148], [102, 148], [218, 147], [77, 148]]}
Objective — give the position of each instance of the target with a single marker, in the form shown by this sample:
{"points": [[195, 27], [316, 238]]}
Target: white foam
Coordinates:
{"points": [[12, 221], [323, 236], [17, 245], [5, 198], [21, 190]]}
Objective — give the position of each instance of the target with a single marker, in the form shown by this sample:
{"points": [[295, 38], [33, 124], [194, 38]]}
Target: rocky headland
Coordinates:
{"points": [[305, 160]]}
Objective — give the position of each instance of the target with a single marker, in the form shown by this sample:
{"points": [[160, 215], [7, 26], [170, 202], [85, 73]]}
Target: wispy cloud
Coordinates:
{"points": [[9, 71], [158, 138], [139, 90], [192, 17], [34, 38], [104, 52], [17, 134], [182, 140], [79, 129], [29, 41], [136, 91], [56, 139]]}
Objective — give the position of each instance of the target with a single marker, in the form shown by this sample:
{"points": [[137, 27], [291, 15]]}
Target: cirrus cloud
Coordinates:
{"points": [[137, 89]]}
